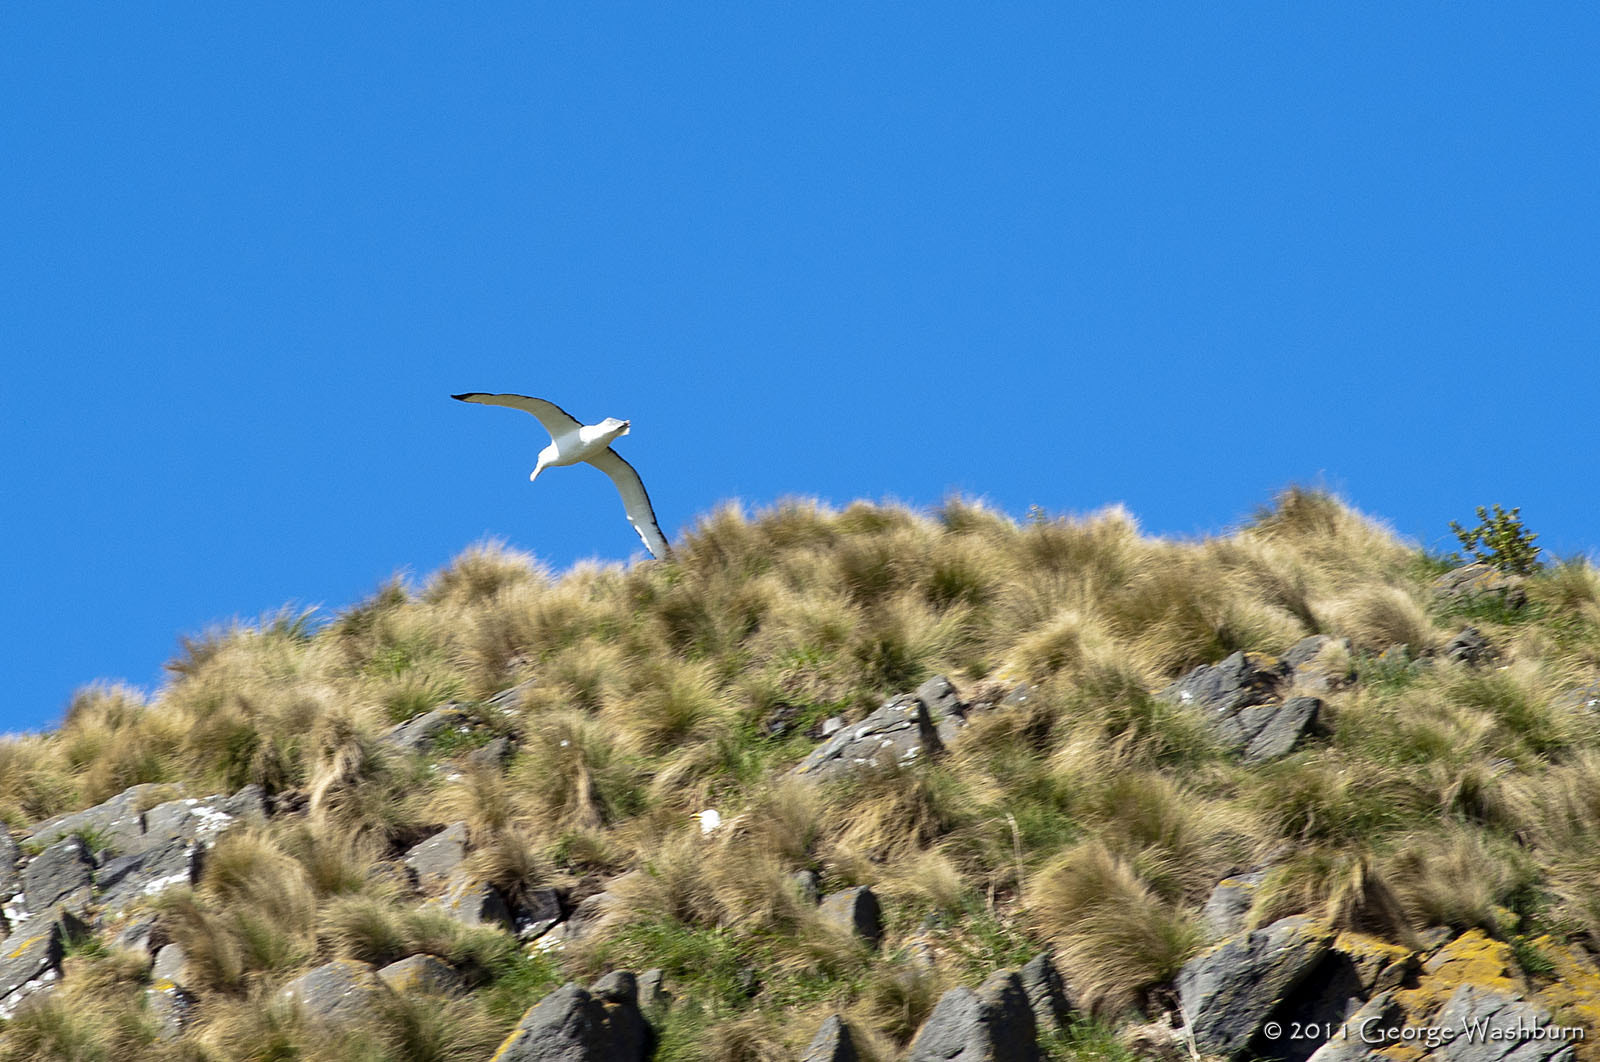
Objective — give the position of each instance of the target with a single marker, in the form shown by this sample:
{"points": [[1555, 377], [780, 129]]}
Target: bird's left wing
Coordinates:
{"points": [[640, 513], [556, 420]]}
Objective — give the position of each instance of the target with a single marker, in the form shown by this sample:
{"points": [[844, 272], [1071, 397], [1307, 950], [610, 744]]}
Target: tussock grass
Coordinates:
{"points": [[1095, 818]]}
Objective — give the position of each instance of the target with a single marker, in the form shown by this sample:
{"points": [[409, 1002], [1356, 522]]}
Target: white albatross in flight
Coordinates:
{"points": [[572, 442]]}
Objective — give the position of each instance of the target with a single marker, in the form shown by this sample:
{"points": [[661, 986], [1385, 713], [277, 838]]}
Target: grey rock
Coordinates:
{"points": [[1226, 993], [1473, 1006], [1268, 731], [1047, 993], [1229, 904], [248, 804], [418, 735], [432, 862], [1469, 647], [898, 732], [171, 965], [833, 1043], [832, 725], [654, 999], [123, 880], [856, 910], [1321, 663], [1377, 1015], [339, 991], [138, 934], [423, 975], [945, 708], [1475, 582], [171, 1006], [30, 963], [116, 824], [474, 902], [992, 1024], [493, 756], [572, 1024], [1222, 689], [618, 992], [10, 865], [61, 874], [809, 885], [200, 821], [536, 912]]}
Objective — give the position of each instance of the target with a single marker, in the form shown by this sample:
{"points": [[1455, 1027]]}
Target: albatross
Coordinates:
{"points": [[572, 441]]}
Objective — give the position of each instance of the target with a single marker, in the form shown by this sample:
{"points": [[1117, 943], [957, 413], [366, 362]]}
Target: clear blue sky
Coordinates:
{"points": [[1060, 254]]}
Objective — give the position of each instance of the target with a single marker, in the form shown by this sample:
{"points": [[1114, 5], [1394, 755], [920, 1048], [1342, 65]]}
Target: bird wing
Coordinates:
{"points": [[556, 420], [640, 513]]}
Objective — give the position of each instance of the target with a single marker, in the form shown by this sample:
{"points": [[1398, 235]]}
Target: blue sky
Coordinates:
{"points": [[1175, 256]]}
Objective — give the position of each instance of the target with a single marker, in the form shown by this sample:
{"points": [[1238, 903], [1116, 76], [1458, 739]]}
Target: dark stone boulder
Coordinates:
{"points": [[30, 963], [833, 1043], [1478, 582], [1469, 647], [618, 993], [573, 1024], [1229, 905], [898, 732], [1321, 663], [418, 735], [474, 902], [423, 975], [1239, 700], [61, 874], [432, 862], [945, 708], [537, 911], [339, 991], [992, 1024], [809, 885], [1047, 993], [1228, 992], [856, 911], [654, 999], [123, 880]]}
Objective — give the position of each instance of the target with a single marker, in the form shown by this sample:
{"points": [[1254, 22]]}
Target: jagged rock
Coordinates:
{"points": [[1241, 680], [993, 1024], [536, 912], [1478, 581], [654, 999], [474, 902], [139, 934], [418, 735], [1237, 700], [171, 1006], [1474, 1006], [493, 756], [809, 885], [1226, 993], [10, 869], [125, 879], [116, 824], [171, 965], [1229, 904], [832, 1043], [423, 975], [898, 732], [30, 963], [572, 1024], [61, 874], [857, 911], [200, 821], [1321, 663], [339, 991], [945, 708], [1047, 993], [618, 992], [432, 862], [1469, 647]]}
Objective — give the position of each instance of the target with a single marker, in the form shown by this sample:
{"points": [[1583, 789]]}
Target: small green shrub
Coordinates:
{"points": [[1501, 541]]}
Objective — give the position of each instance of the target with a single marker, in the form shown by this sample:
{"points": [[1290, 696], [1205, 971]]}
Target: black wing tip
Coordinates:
{"points": [[468, 397]]}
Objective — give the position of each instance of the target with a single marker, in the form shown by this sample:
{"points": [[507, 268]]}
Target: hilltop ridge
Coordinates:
{"points": [[837, 783]]}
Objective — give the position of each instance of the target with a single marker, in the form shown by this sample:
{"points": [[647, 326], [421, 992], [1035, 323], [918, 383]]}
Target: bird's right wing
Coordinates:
{"points": [[556, 420], [640, 513]]}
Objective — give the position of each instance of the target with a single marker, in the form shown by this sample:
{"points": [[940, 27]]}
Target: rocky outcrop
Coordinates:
{"points": [[857, 912], [61, 874], [124, 879], [575, 1024], [423, 975], [833, 1043], [1239, 700], [993, 1023], [1047, 993], [432, 862], [1473, 584], [418, 735], [339, 991], [30, 963], [898, 732], [1227, 993], [1229, 904], [1469, 647]]}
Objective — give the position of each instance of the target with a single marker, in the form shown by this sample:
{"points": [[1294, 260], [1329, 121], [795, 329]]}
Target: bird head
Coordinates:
{"points": [[614, 427]]}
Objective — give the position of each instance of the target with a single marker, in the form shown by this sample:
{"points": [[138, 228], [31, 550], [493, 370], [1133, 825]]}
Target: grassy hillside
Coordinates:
{"points": [[1095, 818]]}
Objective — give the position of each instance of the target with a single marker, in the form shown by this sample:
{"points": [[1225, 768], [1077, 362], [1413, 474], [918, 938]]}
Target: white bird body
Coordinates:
{"points": [[572, 442]]}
